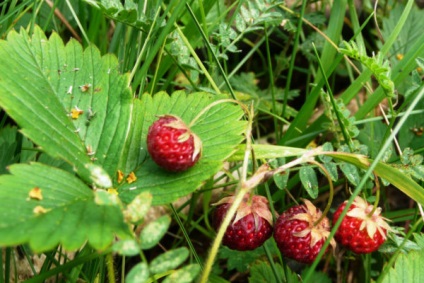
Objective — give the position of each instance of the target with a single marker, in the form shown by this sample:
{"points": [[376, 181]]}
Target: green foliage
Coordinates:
{"points": [[280, 179], [262, 272], [240, 261], [376, 64], [247, 91], [218, 126], [400, 243], [408, 268], [154, 231], [139, 273], [78, 108], [309, 180], [251, 16], [185, 274], [341, 122], [76, 175], [409, 34], [42, 206], [8, 147], [169, 260], [49, 90], [181, 53], [411, 164], [130, 12]]}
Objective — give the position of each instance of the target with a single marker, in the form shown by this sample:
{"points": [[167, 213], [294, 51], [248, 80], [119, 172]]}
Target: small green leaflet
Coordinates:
{"points": [[169, 260], [138, 274], [309, 180], [153, 232], [186, 274]]}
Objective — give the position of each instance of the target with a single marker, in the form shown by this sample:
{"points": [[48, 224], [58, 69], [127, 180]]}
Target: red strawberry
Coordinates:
{"points": [[250, 227], [298, 236], [172, 145], [360, 232]]}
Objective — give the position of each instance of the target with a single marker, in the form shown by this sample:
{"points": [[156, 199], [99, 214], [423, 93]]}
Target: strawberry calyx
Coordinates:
{"points": [[178, 123], [371, 217], [255, 205], [319, 231]]}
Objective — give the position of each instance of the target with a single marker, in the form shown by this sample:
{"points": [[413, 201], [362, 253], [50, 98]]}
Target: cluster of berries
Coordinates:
{"points": [[301, 231]]}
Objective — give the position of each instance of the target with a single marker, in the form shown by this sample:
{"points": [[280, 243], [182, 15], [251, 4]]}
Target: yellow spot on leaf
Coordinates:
{"points": [[35, 193], [131, 178], [40, 210], [112, 191], [399, 56], [120, 176], [75, 112]]}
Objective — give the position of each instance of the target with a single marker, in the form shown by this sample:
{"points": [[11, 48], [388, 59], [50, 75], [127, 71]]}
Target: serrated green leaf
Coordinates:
{"points": [[408, 268], [219, 129], [262, 272], [186, 274], [28, 96], [45, 206], [309, 180], [419, 239], [318, 276], [169, 260], [153, 232], [215, 278], [138, 274], [71, 102], [240, 260], [127, 247], [395, 242]]}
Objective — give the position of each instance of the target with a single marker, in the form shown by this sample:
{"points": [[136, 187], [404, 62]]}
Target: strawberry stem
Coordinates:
{"points": [[221, 231], [204, 110], [331, 191], [241, 189], [377, 196]]}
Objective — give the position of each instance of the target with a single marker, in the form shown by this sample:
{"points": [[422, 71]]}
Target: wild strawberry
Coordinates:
{"points": [[172, 145], [359, 231], [297, 234], [251, 226]]}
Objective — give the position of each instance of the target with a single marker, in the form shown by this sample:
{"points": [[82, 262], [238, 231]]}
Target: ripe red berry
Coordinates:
{"points": [[358, 231], [172, 145], [250, 227], [298, 236]]}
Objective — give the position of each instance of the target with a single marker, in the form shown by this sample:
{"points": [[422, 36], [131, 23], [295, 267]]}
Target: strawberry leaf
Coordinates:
{"points": [[219, 130], [408, 268], [45, 206], [69, 101]]}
